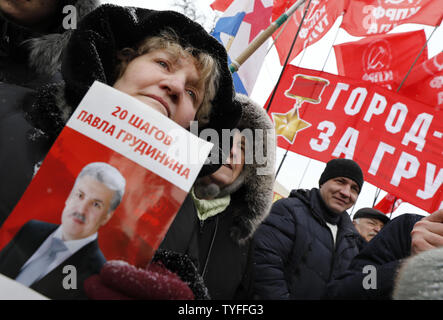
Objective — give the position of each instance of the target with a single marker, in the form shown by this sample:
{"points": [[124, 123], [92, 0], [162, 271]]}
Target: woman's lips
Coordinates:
{"points": [[162, 102]]}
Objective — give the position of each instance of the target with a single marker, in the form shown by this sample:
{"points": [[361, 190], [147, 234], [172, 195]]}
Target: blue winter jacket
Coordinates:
{"points": [[295, 256]]}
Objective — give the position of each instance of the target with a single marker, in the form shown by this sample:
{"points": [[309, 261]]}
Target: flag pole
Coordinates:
{"points": [[258, 41]]}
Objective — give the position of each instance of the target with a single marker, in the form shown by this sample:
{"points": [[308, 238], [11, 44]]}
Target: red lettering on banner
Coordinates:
{"points": [[397, 141]]}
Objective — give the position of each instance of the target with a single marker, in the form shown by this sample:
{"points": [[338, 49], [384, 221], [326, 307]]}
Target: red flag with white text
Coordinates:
{"points": [[381, 59], [319, 19], [425, 82], [388, 204], [397, 141], [368, 17]]}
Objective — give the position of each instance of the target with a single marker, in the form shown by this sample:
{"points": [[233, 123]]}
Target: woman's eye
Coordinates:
{"points": [[163, 64], [192, 94]]}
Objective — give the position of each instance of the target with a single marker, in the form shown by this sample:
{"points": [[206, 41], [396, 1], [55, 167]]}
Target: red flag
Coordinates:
{"points": [[397, 141], [381, 59], [319, 19], [366, 17], [388, 204], [221, 5], [425, 82]]}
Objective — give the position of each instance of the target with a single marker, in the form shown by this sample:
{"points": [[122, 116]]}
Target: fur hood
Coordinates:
{"points": [[252, 192], [42, 49], [421, 277]]}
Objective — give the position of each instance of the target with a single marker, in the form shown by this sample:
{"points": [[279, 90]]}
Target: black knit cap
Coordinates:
{"points": [[371, 213], [342, 168]]}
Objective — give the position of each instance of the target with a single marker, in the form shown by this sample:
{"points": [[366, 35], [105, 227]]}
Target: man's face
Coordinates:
{"points": [[86, 209], [167, 83], [368, 227], [233, 167], [339, 193], [29, 12]]}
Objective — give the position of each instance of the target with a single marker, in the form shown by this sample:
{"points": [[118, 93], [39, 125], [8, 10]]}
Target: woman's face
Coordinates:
{"points": [[166, 83]]}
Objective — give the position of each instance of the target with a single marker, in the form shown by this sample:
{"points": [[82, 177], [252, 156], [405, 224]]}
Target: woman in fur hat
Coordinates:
{"points": [[111, 45], [217, 220]]}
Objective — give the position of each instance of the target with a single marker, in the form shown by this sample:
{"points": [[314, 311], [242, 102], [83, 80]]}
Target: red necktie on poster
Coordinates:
{"points": [[369, 17], [383, 59], [397, 141]]}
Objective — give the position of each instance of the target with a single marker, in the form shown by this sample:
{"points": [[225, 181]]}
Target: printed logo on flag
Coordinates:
{"points": [[303, 88]]}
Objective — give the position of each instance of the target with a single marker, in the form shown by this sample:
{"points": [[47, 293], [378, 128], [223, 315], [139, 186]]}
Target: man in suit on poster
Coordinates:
{"points": [[41, 254]]}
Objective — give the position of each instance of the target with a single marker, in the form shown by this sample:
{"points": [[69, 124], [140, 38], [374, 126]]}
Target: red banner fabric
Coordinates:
{"points": [[367, 17], [384, 60], [221, 5], [388, 204], [425, 82], [397, 141], [319, 19]]}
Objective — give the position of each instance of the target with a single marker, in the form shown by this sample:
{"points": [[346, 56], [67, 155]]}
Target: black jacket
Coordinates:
{"points": [[294, 255], [222, 245], [385, 252], [28, 60], [224, 264], [31, 59]]}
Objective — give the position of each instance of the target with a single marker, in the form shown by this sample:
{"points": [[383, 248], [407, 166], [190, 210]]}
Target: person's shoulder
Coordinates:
{"points": [[405, 219], [38, 225]]}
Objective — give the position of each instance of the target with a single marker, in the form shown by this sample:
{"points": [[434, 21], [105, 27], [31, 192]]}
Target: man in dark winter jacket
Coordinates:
{"points": [[372, 272], [308, 238], [31, 43], [216, 222]]}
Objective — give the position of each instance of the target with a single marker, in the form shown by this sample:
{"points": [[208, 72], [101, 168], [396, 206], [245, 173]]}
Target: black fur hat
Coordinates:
{"points": [[91, 55]]}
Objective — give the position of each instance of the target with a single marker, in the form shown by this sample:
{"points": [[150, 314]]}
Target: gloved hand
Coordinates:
{"points": [[119, 280]]}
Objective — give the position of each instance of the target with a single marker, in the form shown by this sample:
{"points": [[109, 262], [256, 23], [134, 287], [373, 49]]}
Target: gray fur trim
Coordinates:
{"points": [[255, 182], [60, 101], [421, 277], [45, 52]]}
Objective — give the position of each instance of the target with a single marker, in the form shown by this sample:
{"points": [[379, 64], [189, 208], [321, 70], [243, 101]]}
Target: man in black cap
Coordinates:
{"points": [[369, 222], [309, 238]]}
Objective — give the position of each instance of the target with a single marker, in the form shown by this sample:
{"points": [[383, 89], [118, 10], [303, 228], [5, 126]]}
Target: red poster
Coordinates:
{"points": [[384, 59], [111, 184], [318, 20], [368, 17], [397, 141]]}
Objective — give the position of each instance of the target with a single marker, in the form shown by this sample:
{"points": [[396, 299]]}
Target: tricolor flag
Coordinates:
{"points": [[240, 24]]}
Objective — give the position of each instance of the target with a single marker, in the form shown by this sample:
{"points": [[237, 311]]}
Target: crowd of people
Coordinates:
{"points": [[228, 240]]}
